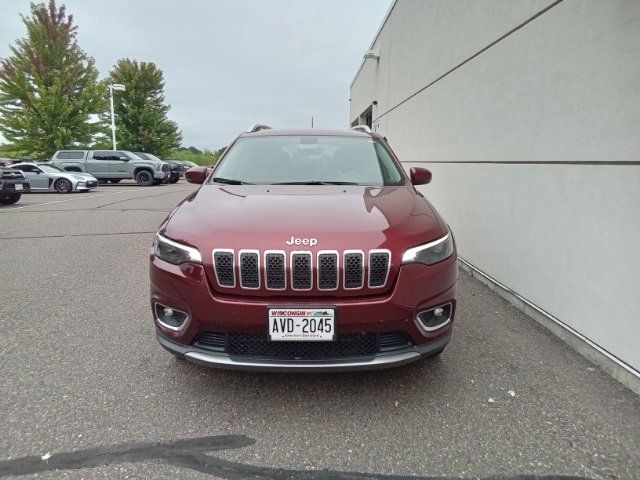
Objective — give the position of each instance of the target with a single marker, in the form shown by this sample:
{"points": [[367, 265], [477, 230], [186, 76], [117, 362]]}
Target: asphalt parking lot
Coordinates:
{"points": [[86, 392]]}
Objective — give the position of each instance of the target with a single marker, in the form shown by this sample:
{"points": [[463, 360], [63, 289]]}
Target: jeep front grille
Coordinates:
{"points": [[353, 269], [249, 269], [301, 270], [275, 276], [224, 268], [327, 270], [378, 268]]}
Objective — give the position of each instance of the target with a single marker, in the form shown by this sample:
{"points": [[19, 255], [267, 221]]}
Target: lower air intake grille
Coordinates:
{"points": [[346, 345], [216, 341], [394, 340]]}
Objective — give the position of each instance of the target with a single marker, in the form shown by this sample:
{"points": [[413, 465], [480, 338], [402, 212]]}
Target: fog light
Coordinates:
{"points": [[435, 318], [170, 318]]}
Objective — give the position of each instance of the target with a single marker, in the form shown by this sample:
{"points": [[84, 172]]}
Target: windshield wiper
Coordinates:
{"points": [[230, 181], [316, 182]]}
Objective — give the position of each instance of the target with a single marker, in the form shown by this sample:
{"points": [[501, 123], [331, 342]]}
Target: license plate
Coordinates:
{"points": [[18, 186], [302, 324]]}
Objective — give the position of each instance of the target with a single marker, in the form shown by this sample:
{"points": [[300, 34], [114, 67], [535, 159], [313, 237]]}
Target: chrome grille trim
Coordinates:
{"points": [[386, 275], [242, 254], [233, 266], [292, 269], [284, 275], [283, 254], [334, 253], [351, 254]]}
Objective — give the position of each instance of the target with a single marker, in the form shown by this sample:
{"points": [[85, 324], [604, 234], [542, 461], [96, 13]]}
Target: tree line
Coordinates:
{"points": [[51, 96]]}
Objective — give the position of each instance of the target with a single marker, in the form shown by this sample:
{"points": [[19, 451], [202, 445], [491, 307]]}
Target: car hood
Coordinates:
{"points": [[304, 217], [338, 217]]}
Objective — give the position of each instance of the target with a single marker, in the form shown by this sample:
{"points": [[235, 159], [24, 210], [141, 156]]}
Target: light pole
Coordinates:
{"points": [[112, 87]]}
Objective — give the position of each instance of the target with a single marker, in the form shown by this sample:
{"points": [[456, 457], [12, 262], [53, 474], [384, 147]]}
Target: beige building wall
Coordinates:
{"points": [[528, 114]]}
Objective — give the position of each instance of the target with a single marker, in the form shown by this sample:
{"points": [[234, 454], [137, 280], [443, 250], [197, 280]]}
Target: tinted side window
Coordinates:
{"points": [[71, 155], [104, 155]]}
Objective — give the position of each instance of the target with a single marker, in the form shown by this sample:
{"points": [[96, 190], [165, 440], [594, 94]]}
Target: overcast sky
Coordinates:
{"points": [[229, 64]]}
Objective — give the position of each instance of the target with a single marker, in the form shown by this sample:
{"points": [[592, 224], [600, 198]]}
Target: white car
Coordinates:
{"points": [[46, 176]]}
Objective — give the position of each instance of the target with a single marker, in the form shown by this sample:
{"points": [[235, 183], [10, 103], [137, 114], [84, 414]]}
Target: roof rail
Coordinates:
{"points": [[257, 127], [362, 128]]}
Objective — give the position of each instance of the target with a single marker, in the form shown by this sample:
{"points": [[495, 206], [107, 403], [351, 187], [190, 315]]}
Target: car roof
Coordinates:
{"points": [[314, 132]]}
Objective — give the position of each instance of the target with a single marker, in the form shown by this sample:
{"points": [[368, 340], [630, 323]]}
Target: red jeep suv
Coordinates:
{"points": [[304, 250]]}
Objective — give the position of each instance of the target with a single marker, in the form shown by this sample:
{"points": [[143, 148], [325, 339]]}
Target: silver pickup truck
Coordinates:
{"points": [[113, 165]]}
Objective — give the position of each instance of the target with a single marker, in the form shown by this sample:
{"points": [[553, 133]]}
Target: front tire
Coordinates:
{"points": [[144, 178], [63, 185], [10, 199]]}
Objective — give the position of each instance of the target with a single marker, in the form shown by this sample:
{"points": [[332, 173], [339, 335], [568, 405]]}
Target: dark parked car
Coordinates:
{"points": [[173, 169], [12, 185], [304, 250], [183, 165]]}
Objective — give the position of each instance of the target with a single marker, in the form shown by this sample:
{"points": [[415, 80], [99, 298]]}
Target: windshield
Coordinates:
{"points": [[51, 168], [309, 159]]}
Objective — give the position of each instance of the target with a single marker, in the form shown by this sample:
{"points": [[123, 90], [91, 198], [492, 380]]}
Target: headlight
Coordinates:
{"points": [[174, 252], [430, 253]]}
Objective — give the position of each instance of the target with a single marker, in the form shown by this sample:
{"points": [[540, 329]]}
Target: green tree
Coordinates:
{"points": [[48, 87], [141, 112], [203, 157]]}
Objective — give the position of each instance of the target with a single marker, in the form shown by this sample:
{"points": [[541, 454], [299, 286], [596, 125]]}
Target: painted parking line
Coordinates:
{"points": [[72, 199]]}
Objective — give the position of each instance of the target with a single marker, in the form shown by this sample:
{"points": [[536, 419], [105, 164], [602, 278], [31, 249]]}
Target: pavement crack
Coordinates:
{"points": [[134, 198], [79, 235], [93, 210], [191, 453]]}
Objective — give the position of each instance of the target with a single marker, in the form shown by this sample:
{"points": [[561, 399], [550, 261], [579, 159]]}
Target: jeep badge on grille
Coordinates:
{"points": [[302, 241]]}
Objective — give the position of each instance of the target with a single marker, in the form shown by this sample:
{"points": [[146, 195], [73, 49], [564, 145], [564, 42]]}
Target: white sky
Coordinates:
{"points": [[229, 64]]}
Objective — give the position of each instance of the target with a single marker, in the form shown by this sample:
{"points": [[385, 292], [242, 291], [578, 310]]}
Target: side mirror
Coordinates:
{"points": [[126, 159], [197, 174], [420, 176]]}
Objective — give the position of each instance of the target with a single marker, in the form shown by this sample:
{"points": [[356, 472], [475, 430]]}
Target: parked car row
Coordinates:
{"points": [[115, 165], [81, 170]]}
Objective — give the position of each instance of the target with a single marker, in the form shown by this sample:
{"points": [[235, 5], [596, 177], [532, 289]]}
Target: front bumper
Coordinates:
{"points": [[416, 288], [375, 362], [84, 186]]}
